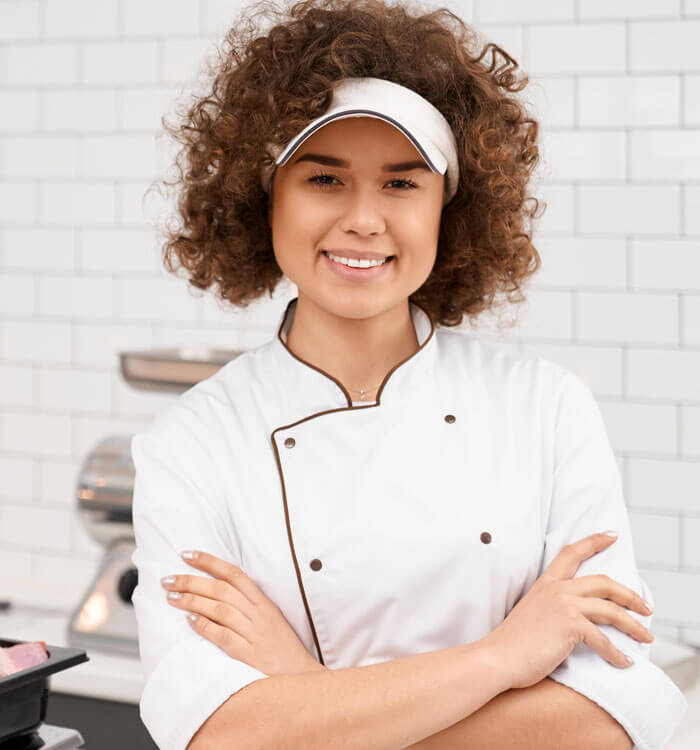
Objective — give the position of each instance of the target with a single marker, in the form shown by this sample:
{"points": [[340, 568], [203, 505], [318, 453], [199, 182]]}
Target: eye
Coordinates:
{"points": [[319, 176]]}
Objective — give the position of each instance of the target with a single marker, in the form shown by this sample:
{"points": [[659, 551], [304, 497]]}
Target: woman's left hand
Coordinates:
{"points": [[234, 614]]}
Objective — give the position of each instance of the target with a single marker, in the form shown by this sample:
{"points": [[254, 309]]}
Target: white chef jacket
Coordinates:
{"points": [[406, 525]]}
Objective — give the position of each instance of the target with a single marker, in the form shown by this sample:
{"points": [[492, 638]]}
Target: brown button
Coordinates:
{"points": [[485, 537], [450, 418], [316, 564], [290, 443]]}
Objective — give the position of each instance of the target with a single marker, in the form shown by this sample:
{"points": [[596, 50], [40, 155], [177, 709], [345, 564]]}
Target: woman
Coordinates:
{"points": [[396, 524]]}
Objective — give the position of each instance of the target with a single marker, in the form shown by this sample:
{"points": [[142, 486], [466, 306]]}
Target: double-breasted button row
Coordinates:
{"points": [[290, 442]]}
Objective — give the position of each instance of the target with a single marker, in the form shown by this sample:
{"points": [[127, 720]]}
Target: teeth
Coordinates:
{"points": [[354, 263]]}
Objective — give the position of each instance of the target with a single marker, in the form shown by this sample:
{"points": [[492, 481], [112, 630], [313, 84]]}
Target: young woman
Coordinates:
{"points": [[397, 525]]}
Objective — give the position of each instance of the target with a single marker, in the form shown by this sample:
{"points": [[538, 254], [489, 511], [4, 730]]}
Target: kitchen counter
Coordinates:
{"points": [[120, 678], [107, 676]]}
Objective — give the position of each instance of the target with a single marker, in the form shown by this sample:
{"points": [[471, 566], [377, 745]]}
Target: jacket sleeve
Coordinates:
{"points": [[177, 505], [587, 498]]}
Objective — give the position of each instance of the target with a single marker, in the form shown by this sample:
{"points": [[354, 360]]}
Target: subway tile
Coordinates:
{"points": [[691, 543], [599, 366], [79, 110], [74, 391], [78, 203], [675, 46], [626, 318], [629, 101], [629, 209], [585, 155], [663, 484], [70, 296], [20, 109], [36, 341], [80, 19], [690, 430], [656, 538], [31, 434], [100, 344], [670, 590], [42, 64], [671, 155], [626, 9], [581, 262], [641, 428], [116, 250], [120, 62], [566, 48], [19, 20], [663, 374], [17, 386], [668, 264], [39, 249], [160, 17], [17, 477]]}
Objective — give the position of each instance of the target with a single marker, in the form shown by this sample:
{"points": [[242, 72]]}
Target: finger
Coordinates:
{"points": [[227, 571], [215, 610], [606, 587], [213, 588], [229, 641], [570, 556], [605, 612], [594, 637]]}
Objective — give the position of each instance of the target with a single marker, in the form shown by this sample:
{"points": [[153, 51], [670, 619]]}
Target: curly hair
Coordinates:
{"points": [[266, 87]]}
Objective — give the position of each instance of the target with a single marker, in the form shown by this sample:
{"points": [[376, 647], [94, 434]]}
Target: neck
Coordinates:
{"points": [[359, 352]]}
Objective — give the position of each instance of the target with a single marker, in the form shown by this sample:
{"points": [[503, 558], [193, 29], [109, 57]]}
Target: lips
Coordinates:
{"points": [[355, 272]]}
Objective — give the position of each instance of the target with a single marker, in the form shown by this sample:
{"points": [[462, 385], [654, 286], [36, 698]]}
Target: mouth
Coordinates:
{"points": [[357, 272]]}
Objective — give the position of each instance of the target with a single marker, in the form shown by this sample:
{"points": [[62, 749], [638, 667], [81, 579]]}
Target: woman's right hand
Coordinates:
{"points": [[558, 611]]}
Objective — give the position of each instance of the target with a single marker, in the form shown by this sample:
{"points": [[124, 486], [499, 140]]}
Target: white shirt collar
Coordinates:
{"points": [[320, 391]]}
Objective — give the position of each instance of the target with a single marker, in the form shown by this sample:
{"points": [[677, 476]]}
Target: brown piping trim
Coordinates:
{"points": [[350, 407]]}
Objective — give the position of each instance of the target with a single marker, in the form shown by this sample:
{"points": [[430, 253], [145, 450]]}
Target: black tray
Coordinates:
{"points": [[24, 694]]}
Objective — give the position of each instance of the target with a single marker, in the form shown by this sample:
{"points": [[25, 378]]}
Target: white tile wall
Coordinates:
{"points": [[83, 86]]}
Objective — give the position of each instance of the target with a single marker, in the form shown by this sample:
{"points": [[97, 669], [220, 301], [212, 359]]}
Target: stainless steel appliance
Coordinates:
{"points": [[104, 617]]}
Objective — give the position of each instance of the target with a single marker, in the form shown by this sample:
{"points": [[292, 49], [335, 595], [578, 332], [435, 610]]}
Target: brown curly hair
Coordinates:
{"points": [[267, 87]]}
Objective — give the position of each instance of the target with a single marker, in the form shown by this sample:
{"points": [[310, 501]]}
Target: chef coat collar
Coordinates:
{"points": [[320, 391]]}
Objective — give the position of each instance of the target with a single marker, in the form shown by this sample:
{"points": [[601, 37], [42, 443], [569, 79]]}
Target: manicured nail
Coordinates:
{"points": [[167, 580], [189, 554], [191, 617], [610, 533], [646, 604], [628, 659]]}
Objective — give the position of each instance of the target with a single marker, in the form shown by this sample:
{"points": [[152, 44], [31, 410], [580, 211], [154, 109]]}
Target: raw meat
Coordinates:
{"points": [[21, 656]]}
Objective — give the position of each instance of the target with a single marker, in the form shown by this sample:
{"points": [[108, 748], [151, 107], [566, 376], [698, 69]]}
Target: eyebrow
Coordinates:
{"points": [[332, 161]]}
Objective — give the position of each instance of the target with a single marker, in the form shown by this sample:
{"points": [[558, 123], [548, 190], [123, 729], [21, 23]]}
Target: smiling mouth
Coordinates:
{"points": [[371, 264]]}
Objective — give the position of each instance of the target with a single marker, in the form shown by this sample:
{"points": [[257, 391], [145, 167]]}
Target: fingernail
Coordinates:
{"points": [[610, 533], [167, 580], [628, 659], [189, 554], [191, 617], [649, 609]]}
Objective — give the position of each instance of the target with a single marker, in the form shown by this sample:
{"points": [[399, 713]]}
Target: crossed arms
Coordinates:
{"points": [[384, 705]]}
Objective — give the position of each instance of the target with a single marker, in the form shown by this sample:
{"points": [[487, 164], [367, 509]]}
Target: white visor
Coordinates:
{"points": [[421, 122]]}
